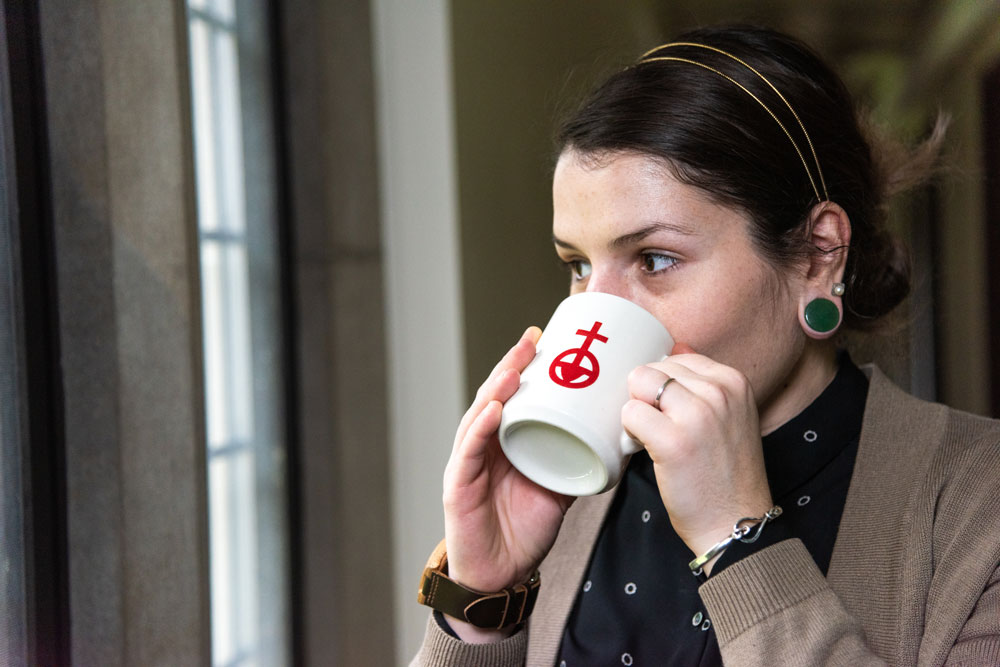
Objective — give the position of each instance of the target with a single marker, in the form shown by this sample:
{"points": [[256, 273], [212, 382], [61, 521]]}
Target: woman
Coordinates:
{"points": [[723, 183]]}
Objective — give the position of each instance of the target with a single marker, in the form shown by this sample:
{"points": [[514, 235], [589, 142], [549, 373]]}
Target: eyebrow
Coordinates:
{"points": [[634, 237]]}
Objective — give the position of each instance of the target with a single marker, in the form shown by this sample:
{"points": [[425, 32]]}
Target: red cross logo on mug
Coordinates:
{"points": [[575, 373]]}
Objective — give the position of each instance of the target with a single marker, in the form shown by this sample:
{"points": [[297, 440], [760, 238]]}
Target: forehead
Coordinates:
{"points": [[619, 174], [613, 193]]}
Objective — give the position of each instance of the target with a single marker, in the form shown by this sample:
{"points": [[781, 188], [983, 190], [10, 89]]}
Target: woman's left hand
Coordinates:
{"points": [[705, 442]]}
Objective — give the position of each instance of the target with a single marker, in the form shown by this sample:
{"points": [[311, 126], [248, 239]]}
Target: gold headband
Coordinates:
{"points": [[645, 58]]}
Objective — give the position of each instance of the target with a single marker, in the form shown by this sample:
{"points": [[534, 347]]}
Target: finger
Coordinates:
{"points": [[682, 348], [665, 433], [690, 371], [645, 383], [500, 388], [701, 385], [712, 380], [517, 358], [533, 333], [520, 355], [680, 401], [697, 367], [469, 457], [703, 388], [644, 423]]}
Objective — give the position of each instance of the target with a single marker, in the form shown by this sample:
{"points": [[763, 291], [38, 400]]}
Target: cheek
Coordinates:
{"points": [[697, 319], [737, 327], [705, 329]]}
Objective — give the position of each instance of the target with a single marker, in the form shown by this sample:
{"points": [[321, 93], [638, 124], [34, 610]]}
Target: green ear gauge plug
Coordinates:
{"points": [[822, 315]]}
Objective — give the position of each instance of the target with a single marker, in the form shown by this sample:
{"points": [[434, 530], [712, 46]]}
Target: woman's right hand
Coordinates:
{"points": [[498, 524]]}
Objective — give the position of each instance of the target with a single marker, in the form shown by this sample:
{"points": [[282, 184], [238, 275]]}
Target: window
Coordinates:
{"points": [[244, 392]]}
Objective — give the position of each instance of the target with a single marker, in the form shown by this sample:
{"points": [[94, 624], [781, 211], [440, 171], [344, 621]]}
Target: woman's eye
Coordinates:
{"points": [[654, 262], [578, 269]]}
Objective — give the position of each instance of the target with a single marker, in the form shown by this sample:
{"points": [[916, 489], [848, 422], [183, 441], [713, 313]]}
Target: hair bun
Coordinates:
{"points": [[878, 282]]}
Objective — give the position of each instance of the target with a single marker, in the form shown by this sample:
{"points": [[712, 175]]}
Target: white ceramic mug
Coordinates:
{"points": [[562, 428]]}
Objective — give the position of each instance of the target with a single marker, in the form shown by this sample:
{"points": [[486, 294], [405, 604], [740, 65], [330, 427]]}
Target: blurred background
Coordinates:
{"points": [[256, 257]]}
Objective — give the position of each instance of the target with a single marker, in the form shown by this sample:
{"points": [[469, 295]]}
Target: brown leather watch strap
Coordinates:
{"points": [[485, 610]]}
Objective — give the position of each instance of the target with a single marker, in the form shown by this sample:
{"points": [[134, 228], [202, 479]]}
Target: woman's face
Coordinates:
{"points": [[627, 227]]}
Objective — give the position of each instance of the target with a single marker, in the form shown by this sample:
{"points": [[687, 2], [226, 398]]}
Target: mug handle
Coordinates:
{"points": [[628, 445]]}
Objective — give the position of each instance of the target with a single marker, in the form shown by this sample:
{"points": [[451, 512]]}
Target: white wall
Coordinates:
{"points": [[423, 298]]}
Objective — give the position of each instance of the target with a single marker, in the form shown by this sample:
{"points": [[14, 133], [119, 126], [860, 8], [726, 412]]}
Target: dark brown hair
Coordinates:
{"points": [[713, 135]]}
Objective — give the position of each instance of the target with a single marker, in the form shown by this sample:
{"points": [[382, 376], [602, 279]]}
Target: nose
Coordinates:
{"points": [[608, 282]]}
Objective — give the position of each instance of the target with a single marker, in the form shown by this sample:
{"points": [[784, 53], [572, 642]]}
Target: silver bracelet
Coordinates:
{"points": [[741, 532]]}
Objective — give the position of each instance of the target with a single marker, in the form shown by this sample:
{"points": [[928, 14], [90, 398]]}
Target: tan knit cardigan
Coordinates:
{"points": [[914, 577]]}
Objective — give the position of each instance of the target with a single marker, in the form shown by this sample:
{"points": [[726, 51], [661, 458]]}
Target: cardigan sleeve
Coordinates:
{"points": [[442, 650], [979, 641], [966, 528], [776, 608]]}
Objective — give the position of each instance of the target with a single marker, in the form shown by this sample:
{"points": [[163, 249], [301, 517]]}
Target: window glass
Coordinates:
{"points": [[234, 161]]}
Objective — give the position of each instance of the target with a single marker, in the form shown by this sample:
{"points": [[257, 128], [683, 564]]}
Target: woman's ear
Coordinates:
{"points": [[821, 298]]}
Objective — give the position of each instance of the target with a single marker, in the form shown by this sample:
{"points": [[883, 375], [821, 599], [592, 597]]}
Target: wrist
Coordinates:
{"points": [[481, 581], [471, 634], [497, 612], [747, 530]]}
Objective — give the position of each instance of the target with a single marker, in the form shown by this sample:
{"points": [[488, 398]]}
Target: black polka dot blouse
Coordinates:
{"points": [[638, 603]]}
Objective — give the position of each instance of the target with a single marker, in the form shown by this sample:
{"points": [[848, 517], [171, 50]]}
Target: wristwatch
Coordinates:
{"points": [[485, 610]]}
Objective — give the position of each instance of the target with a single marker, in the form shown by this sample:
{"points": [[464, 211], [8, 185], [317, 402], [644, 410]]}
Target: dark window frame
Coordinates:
{"points": [[45, 530]]}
